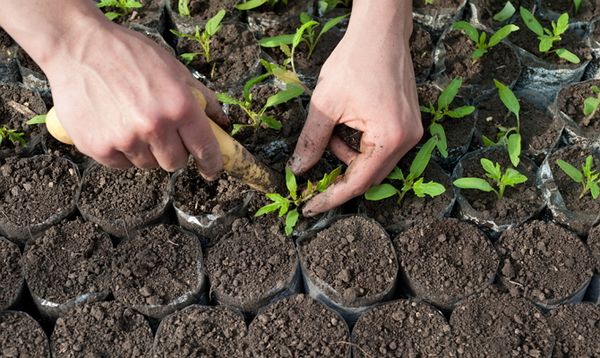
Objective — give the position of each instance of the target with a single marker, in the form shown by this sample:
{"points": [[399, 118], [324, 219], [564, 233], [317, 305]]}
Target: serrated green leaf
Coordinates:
{"points": [[473, 183], [501, 34], [269, 208], [449, 93], [250, 4], [290, 183], [430, 188], [292, 91], [513, 146], [460, 112], [512, 177], [570, 170], [271, 122], [183, 7], [469, 30], [506, 13], [328, 178], [568, 55], [545, 44], [531, 22], [492, 170], [237, 128], [227, 99], [396, 174], [290, 221], [380, 192]]}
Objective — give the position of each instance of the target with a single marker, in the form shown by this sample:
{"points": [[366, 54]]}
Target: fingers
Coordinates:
{"points": [[342, 150], [169, 151], [213, 109]]}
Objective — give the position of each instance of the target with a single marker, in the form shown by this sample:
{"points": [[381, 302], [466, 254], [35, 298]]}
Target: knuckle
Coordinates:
{"points": [[174, 164], [126, 142]]}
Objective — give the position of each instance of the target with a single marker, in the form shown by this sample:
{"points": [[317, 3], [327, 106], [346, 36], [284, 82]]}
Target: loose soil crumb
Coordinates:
{"points": [[250, 265], [17, 105], [445, 261], [11, 277], [543, 261], [21, 336], [352, 261], [570, 101], [577, 330], [487, 9], [402, 328], [589, 9], [594, 245], [421, 51], [102, 329], [298, 326], [69, 260], [201, 331]]}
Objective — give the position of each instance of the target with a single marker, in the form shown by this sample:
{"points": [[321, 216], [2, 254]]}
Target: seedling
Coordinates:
{"points": [[442, 111], [123, 7], [284, 75], [506, 13], [253, 4], [480, 39], [576, 5], [14, 136], [295, 199], [500, 180], [414, 181], [39, 119], [203, 38], [590, 106], [306, 33], [260, 118], [587, 176], [509, 137], [326, 6], [548, 37], [184, 8]]}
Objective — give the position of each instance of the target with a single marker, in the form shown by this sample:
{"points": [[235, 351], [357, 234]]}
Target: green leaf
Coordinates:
{"points": [[112, 15], [487, 142], [396, 174], [39, 119], [595, 189], [290, 221], [570, 170], [250, 4], [214, 23], [107, 3], [380, 192], [227, 99], [250, 84], [304, 18], [590, 106], [183, 8], [514, 148], [473, 183], [508, 98], [271, 122], [418, 165], [506, 13], [478, 53], [238, 127], [502, 34], [576, 5], [469, 30], [449, 93], [276, 198], [276, 41], [269, 208], [512, 177], [595, 89], [431, 188], [328, 178], [332, 23], [493, 170], [531, 22], [545, 44], [188, 57], [292, 91], [132, 4], [568, 55], [460, 112], [562, 24], [290, 183], [437, 130], [300, 32]]}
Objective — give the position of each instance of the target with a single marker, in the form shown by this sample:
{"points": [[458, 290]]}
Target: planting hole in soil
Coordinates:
{"points": [[21, 336], [298, 326], [11, 279], [446, 261], [577, 330]]}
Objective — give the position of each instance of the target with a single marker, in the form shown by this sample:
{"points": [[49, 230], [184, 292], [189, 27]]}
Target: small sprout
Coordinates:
{"points": [[204, 38], [428, 2], [509, 137], [590, 106], [548, 37], [295, 199], [123, 7], [14, 136], [414, 181], [184, 8], [253, 4], [480, 39], [260, 118], [443, 110], [576, 5], [506, 13], [284, 75], [326, 6], [510, 178], [39, 119], [587, 177]]}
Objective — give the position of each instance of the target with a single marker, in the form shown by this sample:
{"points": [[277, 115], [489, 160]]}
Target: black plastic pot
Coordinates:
{"points": [[10, 266], [593, 242], [437, 19], [576, 133], [22, 336]]}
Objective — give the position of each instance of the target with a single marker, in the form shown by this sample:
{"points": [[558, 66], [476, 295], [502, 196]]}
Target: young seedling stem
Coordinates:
{"points": [[500, 180], [480, 39], [203, 38], [587, 176]]}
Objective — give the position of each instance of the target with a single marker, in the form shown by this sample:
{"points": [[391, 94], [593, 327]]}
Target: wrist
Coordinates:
{"points": [[384, 20]]}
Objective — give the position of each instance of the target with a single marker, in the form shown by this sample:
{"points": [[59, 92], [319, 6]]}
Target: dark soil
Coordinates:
{"points": [[17, 106], [21, 336], [589, 9], [425, 8], [69, 260], [543, 262], [283, 19], [352, 261], [500, 62], [497, 325], [421, 51], [202, 10], [251, 264], [156, 267], [349, 135], [119, 200], [518, 204], [148, 15], [577, 330], [395, 216], [234, 55], [487, 9], [102, 329], [402, 328], [570, 101], [298, 326], [201, 331], [58, 149], [5, 39], [540, 130], [570, 190], [36, 190], [446, 261], [593, 243], [11, 278]]}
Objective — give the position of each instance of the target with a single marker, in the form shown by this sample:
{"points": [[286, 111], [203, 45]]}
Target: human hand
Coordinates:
{"points": [[368, 84]]}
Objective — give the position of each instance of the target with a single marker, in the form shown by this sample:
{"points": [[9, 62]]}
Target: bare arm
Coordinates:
{"points": [[368, 84]]}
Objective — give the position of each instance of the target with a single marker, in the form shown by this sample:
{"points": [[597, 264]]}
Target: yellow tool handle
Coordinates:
{"points": [[237, 161]]}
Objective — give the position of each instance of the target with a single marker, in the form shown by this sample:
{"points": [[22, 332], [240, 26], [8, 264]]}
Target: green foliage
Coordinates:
{"points": [[506, 13], [295, 199], [428, 2], [121, 7], [253, 4], [548, 37], [499, 180], [480, 39], [14, 136], [183, 7], [442, 110], [260, 118], [587, 176], [203, 38], [590, 105], [326, 6], [576, 5], [284, 75], [413, 181], [39, 119]]}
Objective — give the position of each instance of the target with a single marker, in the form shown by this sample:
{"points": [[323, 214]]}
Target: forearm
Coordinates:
{"points": [[386, 22]]}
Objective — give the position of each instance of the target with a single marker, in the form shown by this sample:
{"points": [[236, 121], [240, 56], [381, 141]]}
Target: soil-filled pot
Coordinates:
{"points": [[570, 104], [402, 328], [121, 201], [200, 12], [36, 193], [498, 325], [593, 242], [283, 18], [445, 261], [453, 60], [350, 265], [101, 329], [11, 278], [151, 14], [202, 331], [207, 208], [298, 326], [68, 265], [22, 336], [519, 203], [482, 12], [421, 52], [577, 330], [158, 271], [252, 265], [563, 195], [552, 9], [9, 64], [545, 263], [439, 14]]}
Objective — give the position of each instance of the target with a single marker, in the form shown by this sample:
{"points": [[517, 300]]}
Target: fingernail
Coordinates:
{"points": [[294, 164]]}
